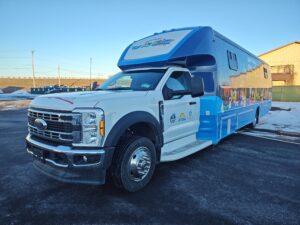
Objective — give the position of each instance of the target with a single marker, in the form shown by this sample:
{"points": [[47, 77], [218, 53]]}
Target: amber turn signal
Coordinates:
{"points": [[102, 128]]}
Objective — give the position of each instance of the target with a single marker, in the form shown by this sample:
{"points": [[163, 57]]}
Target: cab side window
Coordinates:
{"points": [[179, 81]]}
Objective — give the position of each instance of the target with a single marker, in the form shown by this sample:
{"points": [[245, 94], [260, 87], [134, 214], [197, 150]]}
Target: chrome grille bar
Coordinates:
{"points": [[61, 127], [50, 116]]}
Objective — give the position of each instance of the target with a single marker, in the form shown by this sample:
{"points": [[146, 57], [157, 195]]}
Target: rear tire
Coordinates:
{"points": [[134, 163], [256, 120]]}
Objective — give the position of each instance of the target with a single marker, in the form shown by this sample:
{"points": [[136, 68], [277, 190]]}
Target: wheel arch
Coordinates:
{"points": [[142, 122]]}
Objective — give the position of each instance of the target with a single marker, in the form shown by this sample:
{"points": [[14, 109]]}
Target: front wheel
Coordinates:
{"points": [[134, 163]]}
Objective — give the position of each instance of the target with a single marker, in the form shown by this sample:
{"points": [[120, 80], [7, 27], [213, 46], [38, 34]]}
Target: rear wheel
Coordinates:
{"points": [[256, 120], [134, 163]]}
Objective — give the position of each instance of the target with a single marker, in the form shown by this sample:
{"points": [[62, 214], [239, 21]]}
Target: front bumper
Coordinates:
{"points": [[66, 164]]}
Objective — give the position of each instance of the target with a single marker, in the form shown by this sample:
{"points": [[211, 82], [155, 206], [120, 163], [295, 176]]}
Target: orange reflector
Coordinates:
{"points": [[102, 128]]}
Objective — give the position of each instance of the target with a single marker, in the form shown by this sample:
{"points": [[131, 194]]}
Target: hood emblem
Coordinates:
{"points": [[40, 124]]}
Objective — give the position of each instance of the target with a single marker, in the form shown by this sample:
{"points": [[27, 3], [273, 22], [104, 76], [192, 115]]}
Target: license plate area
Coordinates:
{"points": [[57, 159], [38, 153]]}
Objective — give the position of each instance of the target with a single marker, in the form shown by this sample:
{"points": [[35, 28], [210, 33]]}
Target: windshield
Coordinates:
{"points": [[135, 80]]}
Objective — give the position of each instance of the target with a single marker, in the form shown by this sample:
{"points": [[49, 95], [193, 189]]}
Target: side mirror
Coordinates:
{"points": [[197, 86], [169, 93]]}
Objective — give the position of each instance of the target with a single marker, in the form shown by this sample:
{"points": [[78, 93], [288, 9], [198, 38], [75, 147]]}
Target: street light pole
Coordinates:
{"points": [[91, 73], [58, 70], [33, 76]]}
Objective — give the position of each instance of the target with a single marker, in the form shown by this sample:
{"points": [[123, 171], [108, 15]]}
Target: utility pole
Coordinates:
{"points": [[91, 73], [58, 71], [33, 76]]}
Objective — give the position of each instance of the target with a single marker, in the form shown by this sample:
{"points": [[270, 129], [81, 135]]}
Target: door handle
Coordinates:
{"points": [[192, 103]]}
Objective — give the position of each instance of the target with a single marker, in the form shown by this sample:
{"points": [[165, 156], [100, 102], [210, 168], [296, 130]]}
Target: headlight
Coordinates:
{"points": [[89, 118], [91, 126]]}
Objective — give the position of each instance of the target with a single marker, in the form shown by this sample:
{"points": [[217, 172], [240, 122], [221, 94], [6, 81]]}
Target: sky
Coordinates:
{"points": [[68, 33]]}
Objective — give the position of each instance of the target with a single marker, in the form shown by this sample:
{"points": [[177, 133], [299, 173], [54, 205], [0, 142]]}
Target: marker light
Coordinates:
{"points": [[102, 127]]}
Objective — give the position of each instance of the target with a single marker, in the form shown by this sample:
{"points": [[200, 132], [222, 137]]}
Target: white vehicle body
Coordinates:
{"points": [[150, 112]]}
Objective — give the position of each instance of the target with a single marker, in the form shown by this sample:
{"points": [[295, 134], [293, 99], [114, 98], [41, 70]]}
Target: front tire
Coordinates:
{"points": [[134, 163]]}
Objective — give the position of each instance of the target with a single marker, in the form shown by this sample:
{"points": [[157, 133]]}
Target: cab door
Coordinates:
{"points": [[180, 112]]}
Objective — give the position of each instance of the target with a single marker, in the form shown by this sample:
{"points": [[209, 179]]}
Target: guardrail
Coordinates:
{"points": [[46, 90]]}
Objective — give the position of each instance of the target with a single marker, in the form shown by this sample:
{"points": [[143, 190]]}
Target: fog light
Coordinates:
{"points": [[84, 158]]}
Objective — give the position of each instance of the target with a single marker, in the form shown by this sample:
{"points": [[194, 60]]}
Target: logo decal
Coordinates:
{"points": [[182, 117], [40, 124], [153, 43], [173, 118]]}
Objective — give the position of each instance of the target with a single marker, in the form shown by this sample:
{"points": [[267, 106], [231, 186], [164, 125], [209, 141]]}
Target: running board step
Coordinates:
{"points": [[185, 150]]}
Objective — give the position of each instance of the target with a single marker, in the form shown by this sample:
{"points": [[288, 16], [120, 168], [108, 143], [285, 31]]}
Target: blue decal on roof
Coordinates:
{"points": [[154, 42]]}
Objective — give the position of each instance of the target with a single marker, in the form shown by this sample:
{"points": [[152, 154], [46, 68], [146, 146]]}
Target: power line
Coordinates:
{"points": [[5, 57], [63, 61], [44, 72], [15, 68], [75, 71], [22, 64]]}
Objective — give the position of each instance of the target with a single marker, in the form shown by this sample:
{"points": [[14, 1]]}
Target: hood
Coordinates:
{"points": [[70, 101]]}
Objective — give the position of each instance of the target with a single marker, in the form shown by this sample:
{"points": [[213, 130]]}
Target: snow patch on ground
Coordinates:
{"points": [[285, 118], [12, 105], [16, 95]]}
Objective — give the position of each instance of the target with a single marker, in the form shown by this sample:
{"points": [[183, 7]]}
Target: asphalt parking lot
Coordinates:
{"points": [[242, 180]]}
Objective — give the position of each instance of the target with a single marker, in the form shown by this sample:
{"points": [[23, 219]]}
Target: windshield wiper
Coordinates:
{"points": [[113, 89], [118, 88]]}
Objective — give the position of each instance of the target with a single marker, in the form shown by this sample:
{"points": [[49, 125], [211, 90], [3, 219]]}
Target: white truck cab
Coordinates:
{"points": [[136, 119], [178, 92]]}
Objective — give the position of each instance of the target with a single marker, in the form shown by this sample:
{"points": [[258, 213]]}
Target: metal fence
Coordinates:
{"points": [[47, 89], [286, 93]]}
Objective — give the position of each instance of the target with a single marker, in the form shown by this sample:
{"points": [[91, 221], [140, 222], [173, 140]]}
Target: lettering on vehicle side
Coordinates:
{"points": [[154, 42]]}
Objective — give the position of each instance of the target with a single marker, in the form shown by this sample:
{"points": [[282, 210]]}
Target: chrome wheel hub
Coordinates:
{"points": [[139, 164]]}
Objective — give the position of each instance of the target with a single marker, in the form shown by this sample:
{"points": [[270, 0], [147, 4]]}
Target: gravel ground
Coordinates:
{"points": [[242, 180]]}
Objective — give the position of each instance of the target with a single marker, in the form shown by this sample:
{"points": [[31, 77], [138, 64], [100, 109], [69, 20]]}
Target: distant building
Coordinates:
{"points": [[285, 64]]}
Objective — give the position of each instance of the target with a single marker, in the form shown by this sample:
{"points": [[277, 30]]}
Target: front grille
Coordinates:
{"points": [[61, 127], [54, 126]]}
